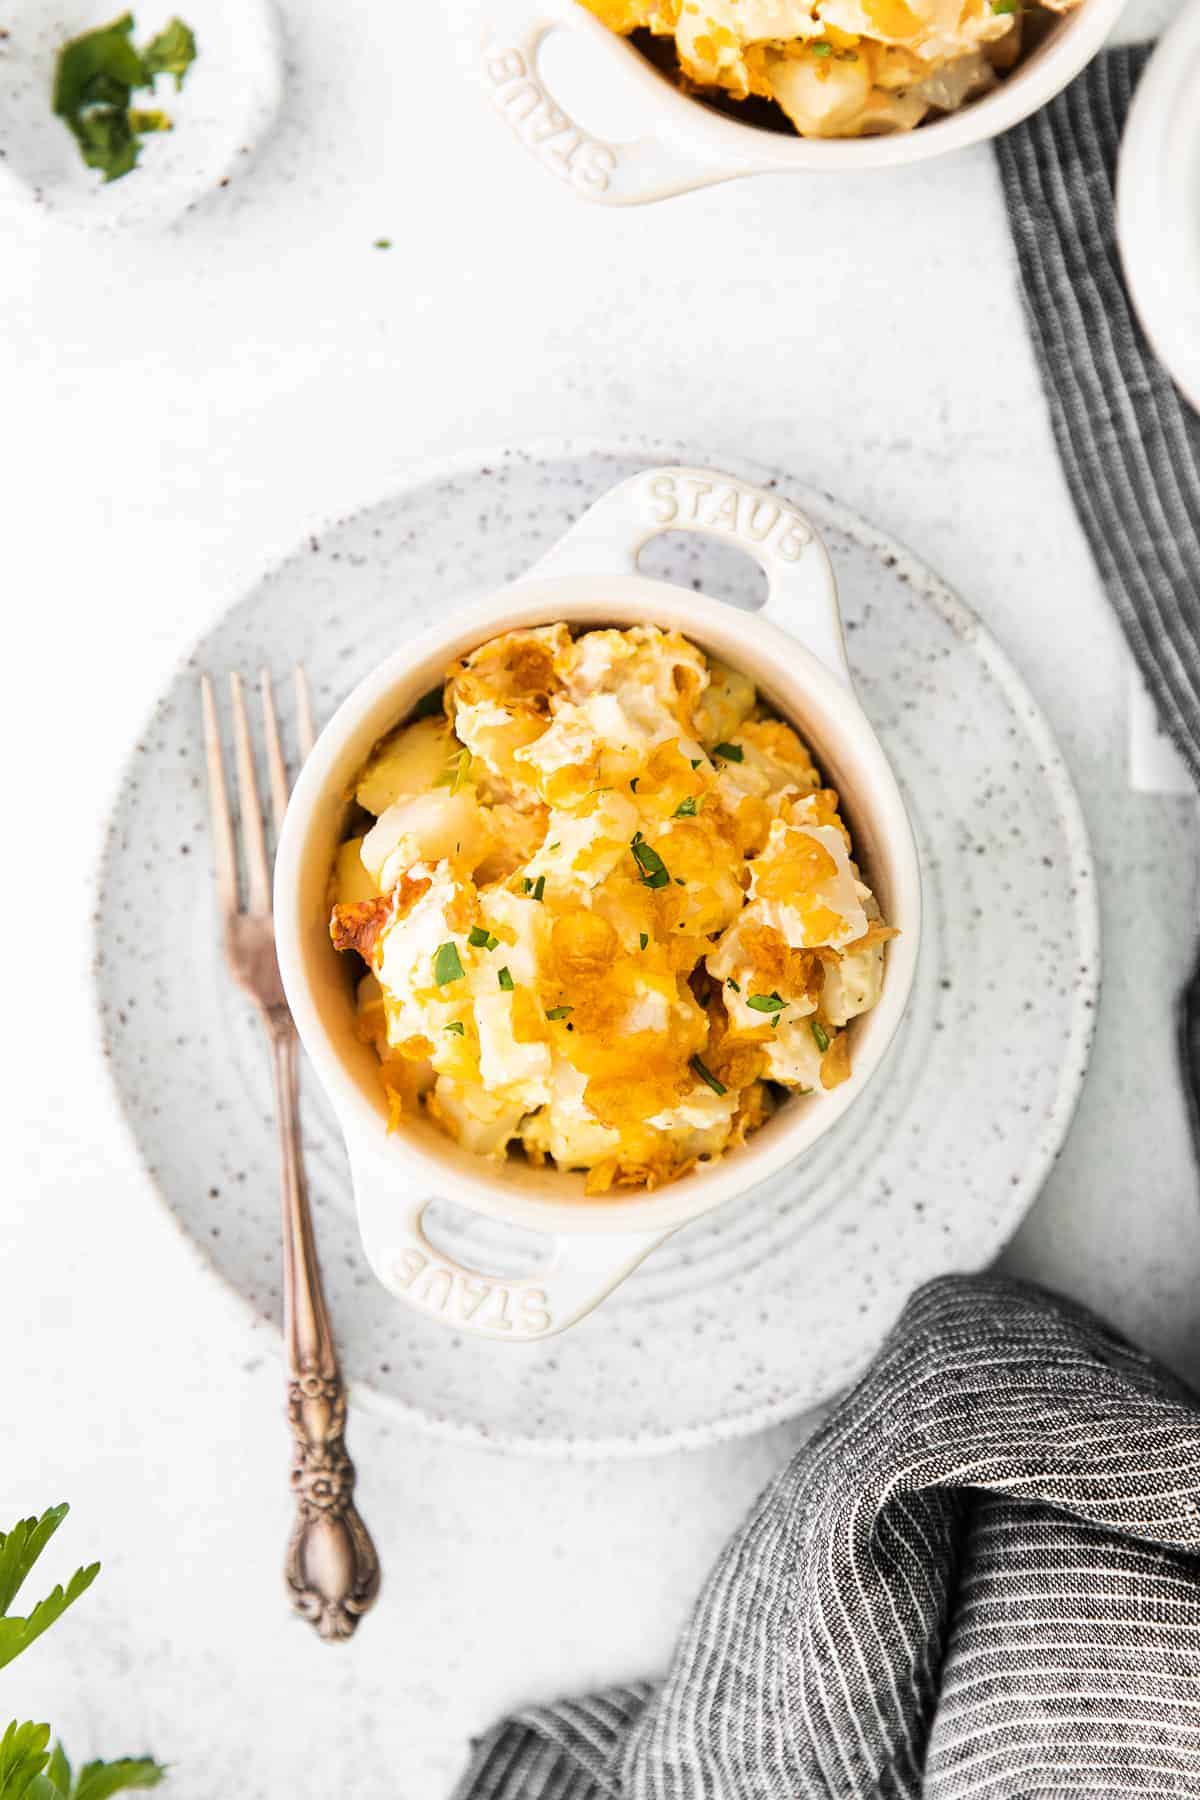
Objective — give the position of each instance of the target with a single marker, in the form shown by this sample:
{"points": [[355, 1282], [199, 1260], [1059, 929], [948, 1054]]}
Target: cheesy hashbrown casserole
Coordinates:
{"points": [[609, 914]]}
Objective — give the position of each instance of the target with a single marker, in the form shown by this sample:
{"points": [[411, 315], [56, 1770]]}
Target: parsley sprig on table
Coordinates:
{"points": [[29, 1768], [95, 78]]}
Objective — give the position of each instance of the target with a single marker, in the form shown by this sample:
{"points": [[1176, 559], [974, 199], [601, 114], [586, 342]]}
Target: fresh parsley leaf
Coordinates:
{"points": [[821, 1035], [707, 1076], [97, 68], [20, 1549], [17, 1634], [730, 982], [429, 704], [654, 869], [687, 808], [457, 1027], [730, 752], [172, 52], [24, 1754], [29, 1770], [505, 979], [819, 49], [559, 1012], [447, 964], [106, 140], [767, 1003], [97, 1780], [643, 940], [481, 939], [539, 887], [95, 77], [58, 1772]]}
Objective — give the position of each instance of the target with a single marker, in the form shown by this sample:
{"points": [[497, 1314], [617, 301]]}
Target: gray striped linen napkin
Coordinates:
{"points": [[980, 1580], [1130, 444]]}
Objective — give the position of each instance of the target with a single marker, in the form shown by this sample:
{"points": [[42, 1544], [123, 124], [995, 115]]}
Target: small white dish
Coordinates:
{"points": [[690, 145], [227, 104], [793, 651], [1158, 202]]}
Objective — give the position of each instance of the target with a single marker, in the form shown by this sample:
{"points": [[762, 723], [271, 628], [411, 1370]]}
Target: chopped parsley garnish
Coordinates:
{"points": [[429, 704], [505, 979], [382, 244], [447, 964], [654, 869], [695, 761], [821, 1035], [457, 1027], [559, 1012], [643, 940], [687, 808], [707, 1076], [527, 884], [633, 784], [172, 52], [539, 887], [95, 78], [820, 49], [555, 846], [1004, 6], [457, 770], [481, 939], [731, 752], [768, 1003], [679, 881], [730, 982]]}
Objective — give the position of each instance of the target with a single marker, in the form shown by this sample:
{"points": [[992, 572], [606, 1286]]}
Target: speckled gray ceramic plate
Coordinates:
{"points": [[768, 1306]]}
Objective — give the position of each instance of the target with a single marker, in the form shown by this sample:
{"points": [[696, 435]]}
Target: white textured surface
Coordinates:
{"points": [[177, 412]]}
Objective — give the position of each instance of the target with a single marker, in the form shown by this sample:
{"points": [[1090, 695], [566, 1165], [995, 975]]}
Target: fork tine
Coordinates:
{"points": [[258, 877], [224, 848], [304, 713], [276, 767]]}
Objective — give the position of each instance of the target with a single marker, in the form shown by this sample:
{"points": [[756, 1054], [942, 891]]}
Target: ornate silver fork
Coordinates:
{"points": [[331, 1569]]}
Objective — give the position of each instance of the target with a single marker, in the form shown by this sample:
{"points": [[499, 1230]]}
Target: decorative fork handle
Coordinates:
{"points": [[332, 1570]]}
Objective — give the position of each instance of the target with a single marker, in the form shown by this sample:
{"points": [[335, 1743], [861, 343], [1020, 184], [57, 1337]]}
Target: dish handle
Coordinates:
{"points": [[802, 598], [652, 167], [582, 1268]]}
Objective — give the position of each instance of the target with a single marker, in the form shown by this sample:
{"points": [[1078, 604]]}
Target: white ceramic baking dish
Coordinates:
{"points": [[793, 650], [691, 145]]}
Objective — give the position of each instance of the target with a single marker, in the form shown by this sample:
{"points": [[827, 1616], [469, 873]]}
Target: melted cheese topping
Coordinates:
{"points": [[606, 906], [838, 68]]}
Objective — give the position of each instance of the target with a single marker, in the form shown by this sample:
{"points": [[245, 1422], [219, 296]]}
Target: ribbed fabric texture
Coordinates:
{"points": [[1130, 444], [979, 1581]]}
